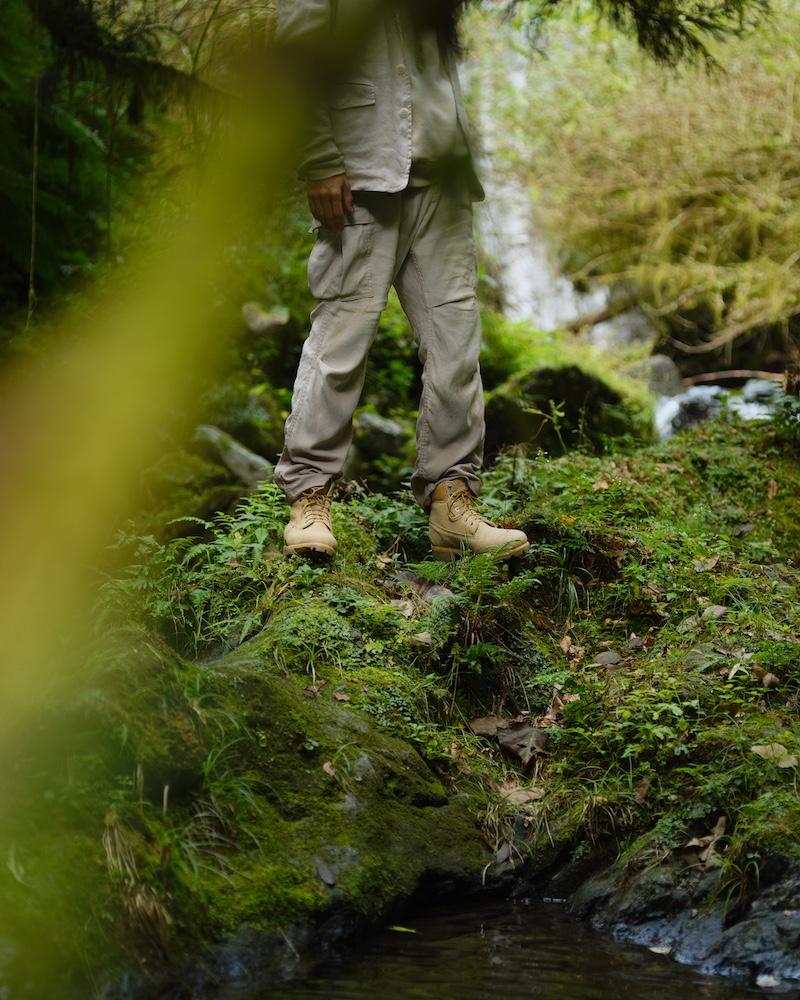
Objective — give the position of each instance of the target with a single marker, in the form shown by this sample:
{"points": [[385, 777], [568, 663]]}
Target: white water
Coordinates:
{"points": [[533, 289]]}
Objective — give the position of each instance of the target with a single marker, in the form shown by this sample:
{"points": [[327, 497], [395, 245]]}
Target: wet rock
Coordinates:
{"points": [[660, 373], [698, 403], [246, 465], [622, 330], [756, 400], [697, 917]]}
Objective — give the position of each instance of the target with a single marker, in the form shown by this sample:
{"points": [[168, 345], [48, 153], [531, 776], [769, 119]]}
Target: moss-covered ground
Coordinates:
{"points": [[281, 746]]}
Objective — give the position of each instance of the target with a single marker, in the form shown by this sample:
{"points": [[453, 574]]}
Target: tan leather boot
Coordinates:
{"points": [[309, 528], [456, 527]]}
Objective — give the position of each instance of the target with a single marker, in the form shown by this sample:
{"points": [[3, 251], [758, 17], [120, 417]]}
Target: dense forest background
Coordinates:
{"points": [[675, 187]]}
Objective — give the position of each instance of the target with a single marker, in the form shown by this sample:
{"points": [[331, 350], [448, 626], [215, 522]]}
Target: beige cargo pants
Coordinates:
{"points": [[421, 241]]}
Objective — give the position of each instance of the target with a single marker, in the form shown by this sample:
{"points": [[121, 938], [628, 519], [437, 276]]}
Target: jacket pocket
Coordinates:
{"points": [[353, 95], [339, 264]]}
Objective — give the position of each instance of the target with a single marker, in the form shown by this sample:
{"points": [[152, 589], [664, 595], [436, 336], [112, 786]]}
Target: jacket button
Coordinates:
{"points": [[340, 103], [401, 69], [404, 112]]}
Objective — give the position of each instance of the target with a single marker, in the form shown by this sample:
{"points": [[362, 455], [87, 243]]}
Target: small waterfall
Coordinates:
{"points": [[532, 289]]}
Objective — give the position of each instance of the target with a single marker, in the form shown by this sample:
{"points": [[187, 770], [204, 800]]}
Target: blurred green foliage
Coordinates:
{"points": [[677, 190]]}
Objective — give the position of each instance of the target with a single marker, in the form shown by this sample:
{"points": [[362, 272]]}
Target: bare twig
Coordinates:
{"points": [[732, 373], [611, 310]]}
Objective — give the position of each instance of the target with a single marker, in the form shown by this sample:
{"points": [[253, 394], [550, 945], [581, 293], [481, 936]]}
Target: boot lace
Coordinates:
{"points": [[317, 506], [463, 502]]}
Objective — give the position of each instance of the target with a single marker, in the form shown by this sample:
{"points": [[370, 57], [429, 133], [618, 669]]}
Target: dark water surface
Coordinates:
{"points": [[506, 951]]}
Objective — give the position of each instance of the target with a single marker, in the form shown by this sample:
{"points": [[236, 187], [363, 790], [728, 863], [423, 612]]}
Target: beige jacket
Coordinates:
{"points": [[362, 124]]}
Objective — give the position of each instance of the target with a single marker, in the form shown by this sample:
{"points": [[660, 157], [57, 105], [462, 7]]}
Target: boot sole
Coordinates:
{"points": [[314, 549], [444, 554]]}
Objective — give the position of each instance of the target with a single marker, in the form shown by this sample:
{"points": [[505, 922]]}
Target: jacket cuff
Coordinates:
{"points": [[321, 171]]}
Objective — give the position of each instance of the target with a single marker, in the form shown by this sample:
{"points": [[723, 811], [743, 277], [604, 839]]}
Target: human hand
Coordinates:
{"points": [[329, 199]]}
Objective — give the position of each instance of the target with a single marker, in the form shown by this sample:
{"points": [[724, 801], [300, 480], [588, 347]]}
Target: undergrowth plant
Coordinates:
{"points": [[650, 631]]}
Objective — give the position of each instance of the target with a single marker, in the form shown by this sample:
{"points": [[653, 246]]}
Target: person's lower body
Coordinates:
{"points": [[421, 241]]}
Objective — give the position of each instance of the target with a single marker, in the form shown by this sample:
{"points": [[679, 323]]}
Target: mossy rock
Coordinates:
{"points": [[342, 825], [589, 411]]}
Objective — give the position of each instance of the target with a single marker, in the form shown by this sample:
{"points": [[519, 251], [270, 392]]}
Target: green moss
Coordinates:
{"points": [[377, 823], [769, 824]]}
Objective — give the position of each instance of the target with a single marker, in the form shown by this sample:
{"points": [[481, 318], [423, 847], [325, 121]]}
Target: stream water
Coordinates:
{"points": [[503, 950]]}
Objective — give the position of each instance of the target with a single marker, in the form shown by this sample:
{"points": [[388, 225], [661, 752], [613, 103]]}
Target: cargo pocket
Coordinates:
{"points": [[339, 265], [353, 95]]}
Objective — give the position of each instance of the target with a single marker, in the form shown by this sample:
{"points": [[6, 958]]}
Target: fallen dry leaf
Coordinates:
{"points": [[772, 489], [577, 654], [703, 850], [428, 591], [775, 752], [608, 658], [328, 768], [512, 793], [601, 484], [524, 796], [615, 549], [488, 725], [503, 853], [324, 871], [523, 739], [704, 565], [557, 702], [341, 696]]}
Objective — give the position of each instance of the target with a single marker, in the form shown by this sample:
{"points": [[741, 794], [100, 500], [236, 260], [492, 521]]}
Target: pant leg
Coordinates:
{"points": [[436, 286], [350, 274]]}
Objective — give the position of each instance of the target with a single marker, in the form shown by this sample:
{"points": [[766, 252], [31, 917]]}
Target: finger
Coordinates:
{"points": [[348, 196], [335, 213]]}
